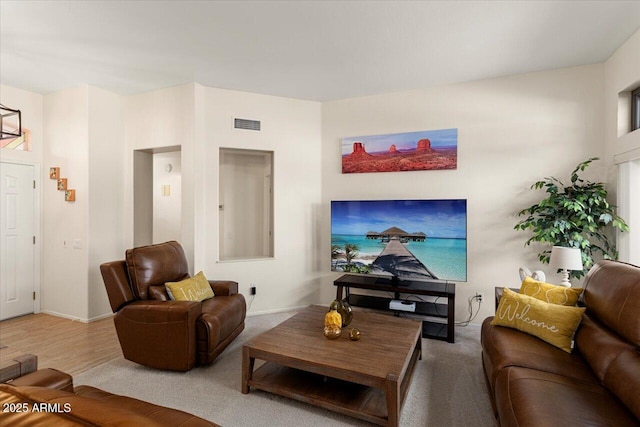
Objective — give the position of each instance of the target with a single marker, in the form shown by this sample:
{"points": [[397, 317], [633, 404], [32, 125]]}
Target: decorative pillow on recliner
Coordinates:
{"points": [[194, 288], [553, 323], [550, 293]]}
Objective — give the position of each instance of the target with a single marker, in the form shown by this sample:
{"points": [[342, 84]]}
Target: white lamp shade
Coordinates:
{"points": [[566, 258]]}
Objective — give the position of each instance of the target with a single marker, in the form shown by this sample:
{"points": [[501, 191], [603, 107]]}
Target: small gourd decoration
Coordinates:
{"points": [[333, 318], [332, 324], [332, 332], [345, 310]]}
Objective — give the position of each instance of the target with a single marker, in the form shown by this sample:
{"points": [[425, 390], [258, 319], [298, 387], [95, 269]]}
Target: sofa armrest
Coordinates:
{"points": [[159, 334], [90, 406], [162, 312], [48, 378], [152, 413], [224, 287]]}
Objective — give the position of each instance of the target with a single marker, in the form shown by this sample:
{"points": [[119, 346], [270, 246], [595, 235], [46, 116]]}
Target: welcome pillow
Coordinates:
{"points": [[194, 288], [553, 323], [550, 293]]}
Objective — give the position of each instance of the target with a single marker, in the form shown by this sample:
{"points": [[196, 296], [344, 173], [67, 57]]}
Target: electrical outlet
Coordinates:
{"points": [[479, 296], [252, 290]]}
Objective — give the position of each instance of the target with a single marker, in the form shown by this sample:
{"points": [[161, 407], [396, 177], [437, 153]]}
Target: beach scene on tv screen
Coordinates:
{"points": [[408, 239]]}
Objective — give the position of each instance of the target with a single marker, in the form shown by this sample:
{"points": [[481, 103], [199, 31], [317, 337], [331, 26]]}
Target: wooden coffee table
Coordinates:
{"points": [[366, 379], [14, 364]]}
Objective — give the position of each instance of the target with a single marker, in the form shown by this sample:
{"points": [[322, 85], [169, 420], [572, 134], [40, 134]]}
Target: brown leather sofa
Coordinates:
{"points": [[532, 383], [48, 398], [160, 333]]}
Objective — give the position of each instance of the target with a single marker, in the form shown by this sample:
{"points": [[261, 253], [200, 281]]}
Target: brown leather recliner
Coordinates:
{"points": [[160, 333]]}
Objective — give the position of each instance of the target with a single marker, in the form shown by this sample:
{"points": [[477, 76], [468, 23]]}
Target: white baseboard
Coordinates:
{"points": [[276, 310], [75, 318], [100, 317]]}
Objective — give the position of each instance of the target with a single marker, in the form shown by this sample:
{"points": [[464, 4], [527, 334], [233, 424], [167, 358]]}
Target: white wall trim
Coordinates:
{"points": [[65, 316], [77, 319], [100, 317], [627, 156], [629, 209], [277, 310]]}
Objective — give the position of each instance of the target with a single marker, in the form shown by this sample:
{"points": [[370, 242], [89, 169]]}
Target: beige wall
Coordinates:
{"points": [[512, 131], [142, 198], [162, 118], [65, 233], [84, 136], [622, 74], [200, 119], [291, 129], [106, 196], [167, 209]]}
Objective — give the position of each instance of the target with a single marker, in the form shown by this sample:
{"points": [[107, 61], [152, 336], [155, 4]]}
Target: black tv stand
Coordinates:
{"points": [[443, 330]]}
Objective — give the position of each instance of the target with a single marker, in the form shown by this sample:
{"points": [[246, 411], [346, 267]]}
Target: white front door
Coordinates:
{"points": [[17, 248]]}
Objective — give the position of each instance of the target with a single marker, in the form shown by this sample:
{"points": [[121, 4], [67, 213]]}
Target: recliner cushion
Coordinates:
{"points": [[155, 265], [158, 293], [219, 318], [612, 295], [623, 379], [505, 347], [614, 361], [531, 398]]}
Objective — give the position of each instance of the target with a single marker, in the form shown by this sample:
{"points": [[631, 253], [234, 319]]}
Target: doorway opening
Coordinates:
{"points": [[157, 195]]}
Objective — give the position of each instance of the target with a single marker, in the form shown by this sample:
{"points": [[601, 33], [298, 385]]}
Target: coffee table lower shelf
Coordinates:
{"points": [[355, 400]]}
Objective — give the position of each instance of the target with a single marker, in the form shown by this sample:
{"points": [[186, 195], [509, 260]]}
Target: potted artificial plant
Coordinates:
{"points": [[575, 216]]}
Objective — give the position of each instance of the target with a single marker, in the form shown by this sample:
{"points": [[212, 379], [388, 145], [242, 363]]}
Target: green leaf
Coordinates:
{"points": [[577, 216], [606, 218]]}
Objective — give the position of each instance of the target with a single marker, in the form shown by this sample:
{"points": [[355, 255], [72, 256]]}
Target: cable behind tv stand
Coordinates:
{"points": [[405, 290]]}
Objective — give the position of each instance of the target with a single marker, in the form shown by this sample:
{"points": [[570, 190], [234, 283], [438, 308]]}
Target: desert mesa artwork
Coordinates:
{"points": [[397, 152]]}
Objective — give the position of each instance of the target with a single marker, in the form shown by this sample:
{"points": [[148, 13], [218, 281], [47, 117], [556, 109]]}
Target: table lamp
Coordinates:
{"points": [[566, 259]]}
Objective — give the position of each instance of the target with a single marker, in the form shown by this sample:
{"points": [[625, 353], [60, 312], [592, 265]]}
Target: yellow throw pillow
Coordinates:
{"points": [[550, 293], [553, 323], [194, 288]]}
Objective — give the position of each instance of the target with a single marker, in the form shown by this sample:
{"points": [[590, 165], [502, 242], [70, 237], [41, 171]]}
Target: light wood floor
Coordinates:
{"points": [[64, 344]]}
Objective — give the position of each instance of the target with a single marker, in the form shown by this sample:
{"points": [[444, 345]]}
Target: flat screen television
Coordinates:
{"points": [[400, 239]]}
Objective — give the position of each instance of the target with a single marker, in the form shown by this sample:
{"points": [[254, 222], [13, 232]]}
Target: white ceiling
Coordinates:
{"points": [[315, 50]]}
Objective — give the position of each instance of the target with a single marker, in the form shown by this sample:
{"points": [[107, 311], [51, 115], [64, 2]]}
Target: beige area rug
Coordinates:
{"points": [[447, 388]]}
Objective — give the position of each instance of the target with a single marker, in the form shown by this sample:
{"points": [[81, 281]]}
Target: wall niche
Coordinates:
{"points": [[245, 204]]}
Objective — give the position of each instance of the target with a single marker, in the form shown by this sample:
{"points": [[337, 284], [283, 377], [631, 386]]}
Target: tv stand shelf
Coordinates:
{"points": [[440, 324]]}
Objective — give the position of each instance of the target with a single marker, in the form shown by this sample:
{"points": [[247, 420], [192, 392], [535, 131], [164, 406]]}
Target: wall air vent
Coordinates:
{"points": [[246, 124]]}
